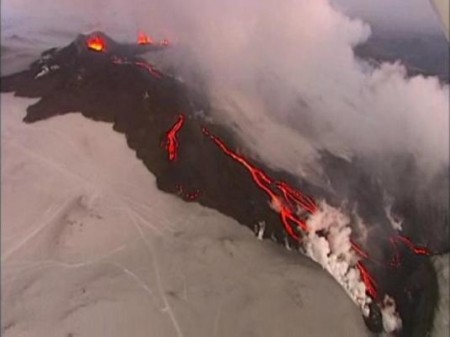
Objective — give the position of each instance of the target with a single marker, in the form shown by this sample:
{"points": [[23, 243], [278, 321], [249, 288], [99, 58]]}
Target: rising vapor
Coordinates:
{"points": [[289, 62], [285, 78]]}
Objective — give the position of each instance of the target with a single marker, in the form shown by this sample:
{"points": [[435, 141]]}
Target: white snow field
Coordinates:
{"points": [[90, 247]]}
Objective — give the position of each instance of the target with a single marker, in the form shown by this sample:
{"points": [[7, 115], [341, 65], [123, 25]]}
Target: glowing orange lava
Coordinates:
{"points": [[416, 249], [96, 43], [368, 280], [144, 39], [294, 196], [287, 201], [290, 203], [358, 250], [149, 68], [142, 64], [172, 141]]}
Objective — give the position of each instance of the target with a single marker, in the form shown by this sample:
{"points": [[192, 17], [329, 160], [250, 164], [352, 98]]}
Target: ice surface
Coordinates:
{"points": [[90, 247]]}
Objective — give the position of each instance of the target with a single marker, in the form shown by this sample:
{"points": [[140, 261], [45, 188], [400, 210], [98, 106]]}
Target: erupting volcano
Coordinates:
{"points": [[198, 161]]}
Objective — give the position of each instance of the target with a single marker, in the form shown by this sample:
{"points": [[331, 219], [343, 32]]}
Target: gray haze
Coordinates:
{"points": [[403, 15]]}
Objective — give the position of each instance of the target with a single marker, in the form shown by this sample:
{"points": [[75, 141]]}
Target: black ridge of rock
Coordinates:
{"points": [[114, 86]]}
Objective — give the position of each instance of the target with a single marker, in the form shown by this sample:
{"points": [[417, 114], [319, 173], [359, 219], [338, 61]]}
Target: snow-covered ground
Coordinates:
{"points": [[90, 247]]}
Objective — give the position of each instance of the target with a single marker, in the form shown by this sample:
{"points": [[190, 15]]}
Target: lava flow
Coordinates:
{"points": [[287, 202], [149, 68], [368, 264], [367, 279], [172, 141], [358, 250], [416, 249], [395, 240], [96, 43], [144, 39], [142, 64]]}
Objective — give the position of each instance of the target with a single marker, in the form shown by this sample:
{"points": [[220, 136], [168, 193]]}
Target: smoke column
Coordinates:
{"points": [[284, 69], [284, 76]]}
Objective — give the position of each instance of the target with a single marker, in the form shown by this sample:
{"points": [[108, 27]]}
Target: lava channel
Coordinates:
{"points": [[172, 141], [408, 243], [368, 280], [287, 201], [142, 64]]}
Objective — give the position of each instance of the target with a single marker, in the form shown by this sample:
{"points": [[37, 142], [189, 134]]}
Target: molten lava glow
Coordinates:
{"points": [[149, 68], [292, 206], [144, 39], [96, 43], [416, 249], [358, 250], [284, 197], [288, 200], [172, 141], [294, 196], [142, 64], [368, 280]]}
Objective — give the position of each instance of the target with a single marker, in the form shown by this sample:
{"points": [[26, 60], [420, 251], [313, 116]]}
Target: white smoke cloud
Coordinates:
{"points": [[262, 58], [332, 250], [283, 72], [391, 320], [284, 75]]}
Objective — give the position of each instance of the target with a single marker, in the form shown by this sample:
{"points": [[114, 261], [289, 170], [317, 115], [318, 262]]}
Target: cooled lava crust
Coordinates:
{"points": [[115, 85]]}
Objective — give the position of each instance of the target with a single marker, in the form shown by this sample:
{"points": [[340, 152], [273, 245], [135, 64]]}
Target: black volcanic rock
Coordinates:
{"points": [[119, 87]]}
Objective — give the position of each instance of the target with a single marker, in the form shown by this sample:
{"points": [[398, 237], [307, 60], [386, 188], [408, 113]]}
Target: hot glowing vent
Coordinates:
{"points": [[144, 39], [96, 43]]}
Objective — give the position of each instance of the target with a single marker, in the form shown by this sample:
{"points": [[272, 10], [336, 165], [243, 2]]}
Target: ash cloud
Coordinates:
{"points": [[284, 76]]}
